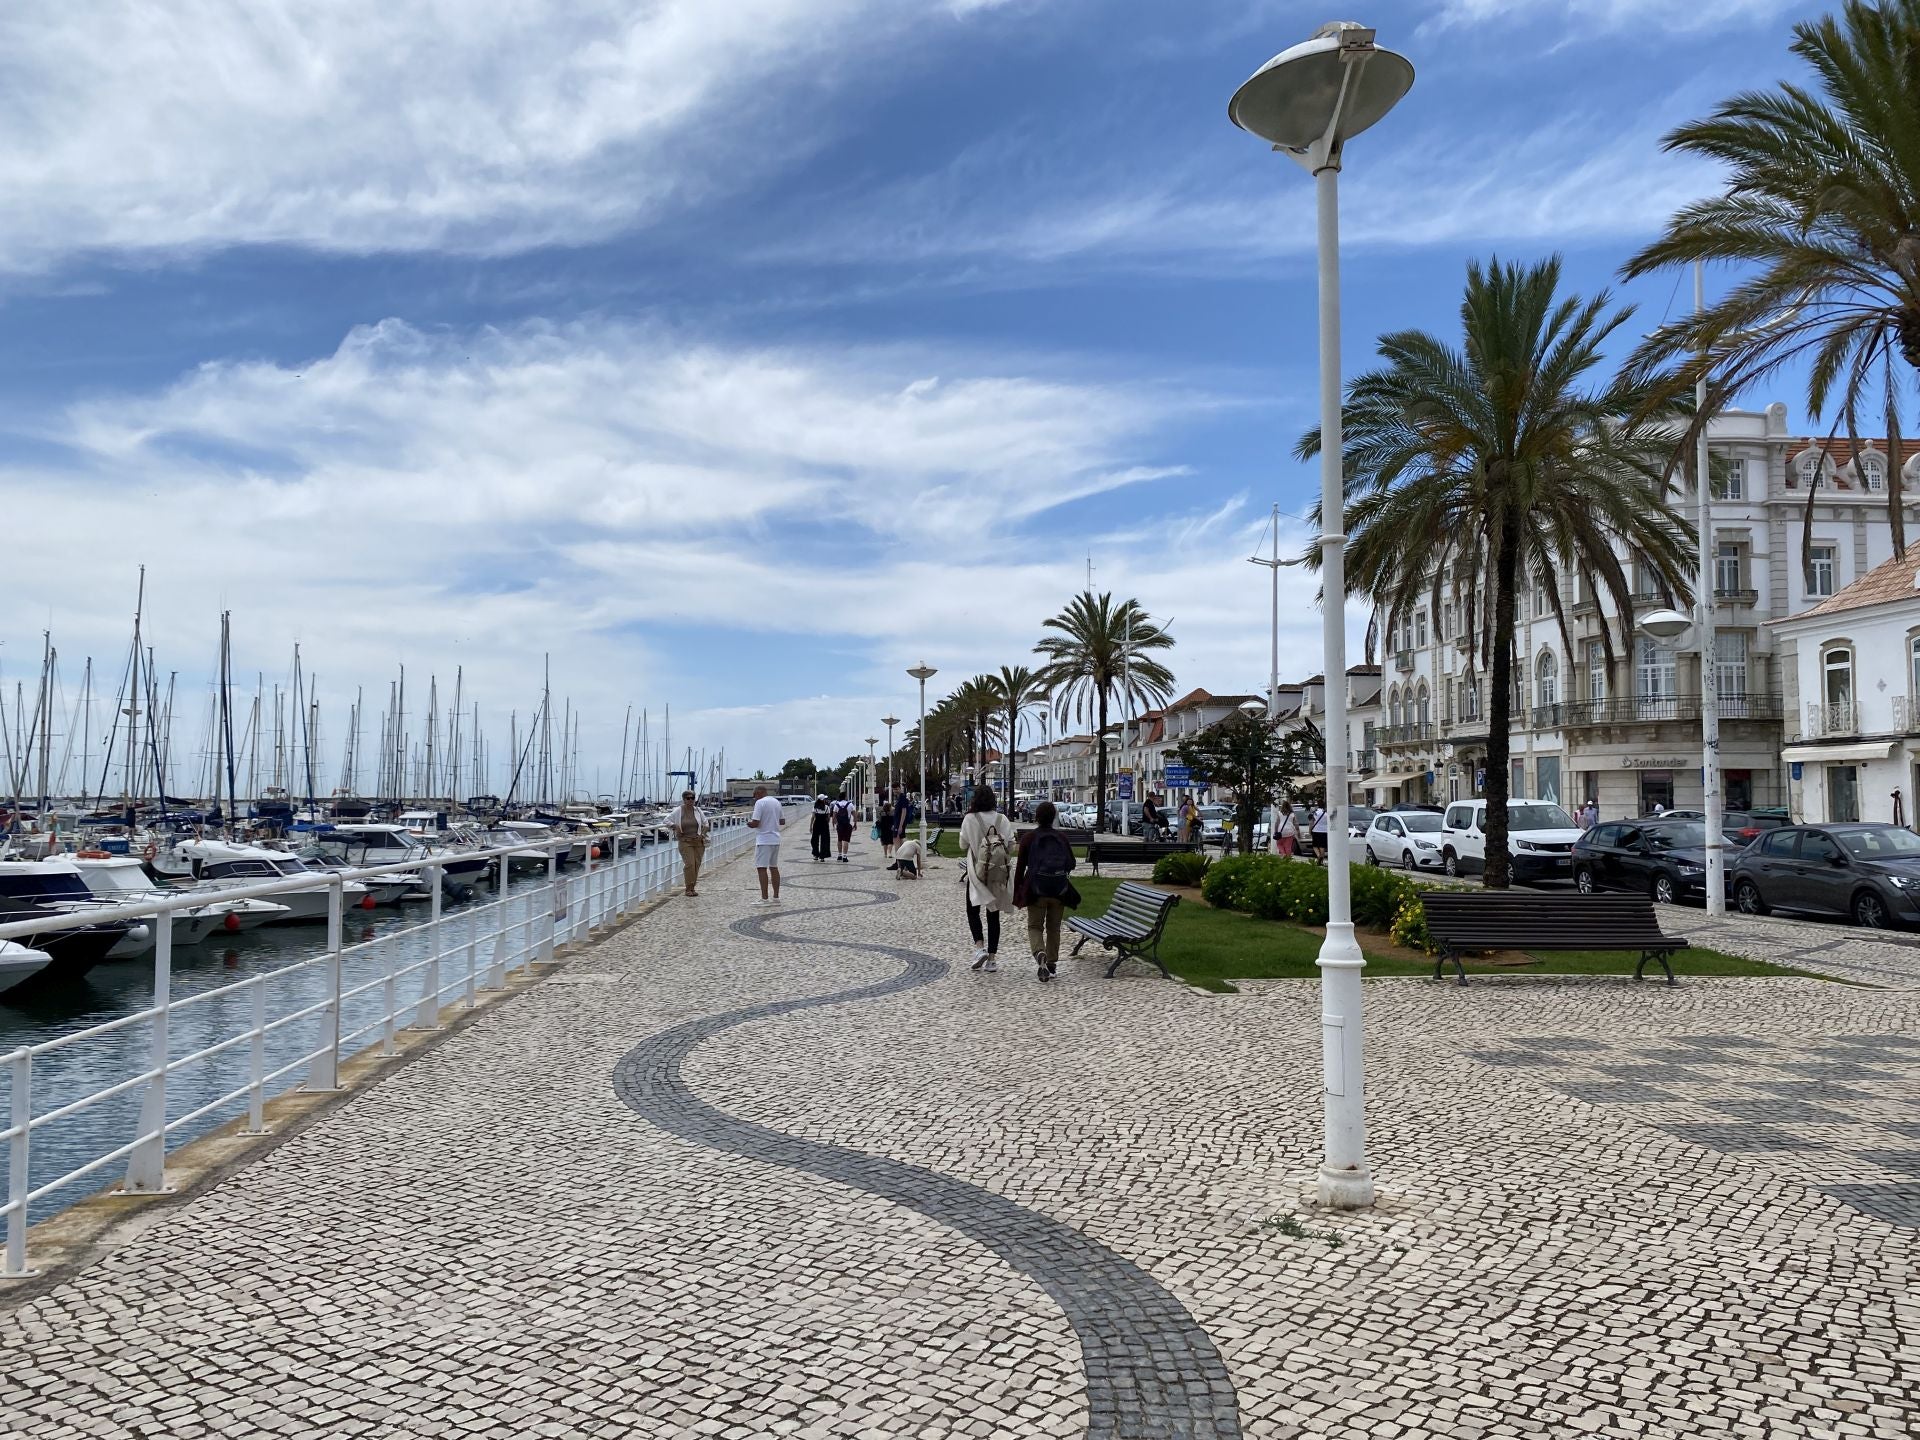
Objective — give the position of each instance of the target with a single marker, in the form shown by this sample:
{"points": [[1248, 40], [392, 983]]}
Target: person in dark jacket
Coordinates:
{"points": [[1042, 888], [822, 833]]}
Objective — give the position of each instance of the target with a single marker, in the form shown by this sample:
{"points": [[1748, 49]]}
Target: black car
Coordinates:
{"points": [[1666, 859], [1868, 872]]}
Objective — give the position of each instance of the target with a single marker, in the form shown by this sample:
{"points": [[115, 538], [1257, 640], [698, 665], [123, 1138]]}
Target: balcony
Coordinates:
{"points": [[1365, 762], [1415, 734], [1906, 715], [1825, 722], [1656, 709], [1403, 661], [1736, 599]]}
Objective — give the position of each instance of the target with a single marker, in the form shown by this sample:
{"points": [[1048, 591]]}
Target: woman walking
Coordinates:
{"points": [[883, 822], [690, 829], [843, 824], [986, 843], [1286, 830], [1042, 884], [822, 831]]}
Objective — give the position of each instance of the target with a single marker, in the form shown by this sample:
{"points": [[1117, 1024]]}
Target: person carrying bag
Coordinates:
{"points": [[1043, 887], [690, 830]]}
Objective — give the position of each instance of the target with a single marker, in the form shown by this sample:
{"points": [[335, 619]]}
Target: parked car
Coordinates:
{"points": [[1360, 820], [1666, 859], [1744, 825], [1215, 822], [1870, 873], [1409, 839], [1540, 838]]}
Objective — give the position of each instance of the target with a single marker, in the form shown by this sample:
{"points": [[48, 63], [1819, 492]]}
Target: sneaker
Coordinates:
{"points": [[1040, 968], [979, 958], [992, 966]]}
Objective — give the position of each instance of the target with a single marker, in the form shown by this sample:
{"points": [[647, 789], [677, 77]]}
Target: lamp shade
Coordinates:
{"points": [[1290, 100], [1665, 624]]}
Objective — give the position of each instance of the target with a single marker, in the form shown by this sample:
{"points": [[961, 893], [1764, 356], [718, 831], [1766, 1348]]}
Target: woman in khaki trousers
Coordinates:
{"points": [[690, 829]]}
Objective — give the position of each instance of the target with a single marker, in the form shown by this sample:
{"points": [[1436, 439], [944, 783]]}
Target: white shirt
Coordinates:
{"points": [[767, 811], [699, 824], [909, 852]]}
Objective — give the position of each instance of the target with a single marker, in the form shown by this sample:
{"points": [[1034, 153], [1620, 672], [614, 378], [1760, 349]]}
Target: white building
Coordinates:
{"points": [[1627, 734], [1855, 657]]}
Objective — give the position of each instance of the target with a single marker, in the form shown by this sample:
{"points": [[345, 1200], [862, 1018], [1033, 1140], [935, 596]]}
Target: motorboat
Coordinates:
{"points": [[30, 889], [19, 964], [123, 880], [373, 844], [223, 865], [381, 889], [521, 832]]}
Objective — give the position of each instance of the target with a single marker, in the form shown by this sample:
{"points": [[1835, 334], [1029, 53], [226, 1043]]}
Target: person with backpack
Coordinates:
{"points": [[986, 843], [1043, 885], [843, 823]]}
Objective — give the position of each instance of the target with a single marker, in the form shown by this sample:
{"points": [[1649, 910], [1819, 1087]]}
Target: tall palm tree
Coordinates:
{"points": [[1018, 690], [1475, 471], [1822, 207], [1098, 649]]}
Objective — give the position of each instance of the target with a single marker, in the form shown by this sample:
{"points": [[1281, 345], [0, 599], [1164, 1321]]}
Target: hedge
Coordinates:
{"points": [[1275, 888]]}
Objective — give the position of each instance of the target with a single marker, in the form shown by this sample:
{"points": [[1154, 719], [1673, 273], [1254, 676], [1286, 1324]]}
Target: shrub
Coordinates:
{"points": [[1225, 885], [1183, 869], [1378, 896], [1410, 926]]}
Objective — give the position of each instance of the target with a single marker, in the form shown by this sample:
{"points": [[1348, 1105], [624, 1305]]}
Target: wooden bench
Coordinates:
{"points": [[1134, 852], [1131, 926], [1079, 839], [1490, 920]]}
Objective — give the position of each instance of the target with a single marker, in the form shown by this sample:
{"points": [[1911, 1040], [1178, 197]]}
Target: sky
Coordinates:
{"points": [[737, 357]]}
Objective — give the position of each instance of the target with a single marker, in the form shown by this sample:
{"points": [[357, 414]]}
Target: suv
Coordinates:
{"points": [[1540, 839]]}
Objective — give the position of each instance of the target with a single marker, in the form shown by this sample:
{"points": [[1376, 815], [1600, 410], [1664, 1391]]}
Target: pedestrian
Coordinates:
{"points": [[986, 844], [822, 831], [843, 824], [690, 829], [1151, 821], [1286, 831], [1189, 820], [1320, 833], [883, 825], [1043, 886], [1589, 814], [906, 859], [765, 824], [902, 812]]}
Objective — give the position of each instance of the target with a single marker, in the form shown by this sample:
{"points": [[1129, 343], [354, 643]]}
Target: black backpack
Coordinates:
{"points": [[1049, 859]]}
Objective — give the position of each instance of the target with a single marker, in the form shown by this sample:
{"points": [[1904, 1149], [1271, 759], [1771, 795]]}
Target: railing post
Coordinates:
{"points": [[473, 957], [257, 1062], [147, 1164], [21, 1086], [497, 971], [390, 1003], [427, 1017], [556, 904], [324, 1071]]}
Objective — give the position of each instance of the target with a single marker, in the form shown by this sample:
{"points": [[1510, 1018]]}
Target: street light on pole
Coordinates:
{"points": [[893, 777], [923, 672], [1275, 565], [1307, 102], [873, 773]]}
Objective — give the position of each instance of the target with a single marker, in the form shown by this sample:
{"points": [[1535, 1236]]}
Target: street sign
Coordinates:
{"points": [[1126, 787], [1179, 777], [1796, 769]]}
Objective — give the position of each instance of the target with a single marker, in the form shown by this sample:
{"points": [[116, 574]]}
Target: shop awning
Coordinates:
{"points": [[1838, 754], [1386, 782]]}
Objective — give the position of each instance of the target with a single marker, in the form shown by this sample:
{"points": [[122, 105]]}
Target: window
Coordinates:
{"points": [[1872, 470], [1470, 700], [1596, 671], [1656, 674], [1393, 711], [1822, 557], [1446, 621], [1421, 705], [1540, 605], [1726, 566], [1420, 627], [1913, 672], [1547, 679], [1812, 468], [1730, 671], [1733, 483], [1836, 669]]}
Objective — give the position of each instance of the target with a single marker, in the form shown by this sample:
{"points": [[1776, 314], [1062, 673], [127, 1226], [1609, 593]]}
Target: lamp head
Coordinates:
{"points": [[1665, 624], [922, 672], [1293, 99], [1253, 707], [889, 720]]}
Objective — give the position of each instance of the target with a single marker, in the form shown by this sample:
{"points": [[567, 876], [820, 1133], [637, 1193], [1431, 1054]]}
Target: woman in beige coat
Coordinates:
{"points": [[690, 829], [987, 843]]}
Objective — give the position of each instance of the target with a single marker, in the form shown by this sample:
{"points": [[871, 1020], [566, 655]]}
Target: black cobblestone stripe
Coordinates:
{"points": [[1151, 1370]]}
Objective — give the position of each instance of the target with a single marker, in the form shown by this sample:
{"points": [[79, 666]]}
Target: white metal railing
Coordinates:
{"points": [[467, 951], [1836, 719]]}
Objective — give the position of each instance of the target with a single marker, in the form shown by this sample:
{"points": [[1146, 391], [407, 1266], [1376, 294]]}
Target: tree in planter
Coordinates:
{"points": [[1249, 755]]}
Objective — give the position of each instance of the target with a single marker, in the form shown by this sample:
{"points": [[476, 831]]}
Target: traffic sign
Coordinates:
{"points": [[1126, 787], [1179, 777]]}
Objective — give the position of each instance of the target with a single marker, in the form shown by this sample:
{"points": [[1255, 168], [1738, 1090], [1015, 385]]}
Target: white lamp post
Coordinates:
{"points": [[923, 672], [873, 775], [1276, 564], [893, 770], [1670, 627], [1307, 102]]}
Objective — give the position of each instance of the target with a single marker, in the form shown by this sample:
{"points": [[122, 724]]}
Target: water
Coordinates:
{"points": [[392, 936]]}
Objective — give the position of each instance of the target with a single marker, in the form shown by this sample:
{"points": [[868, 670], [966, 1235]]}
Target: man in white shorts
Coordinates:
{"points": [[765, 824]]}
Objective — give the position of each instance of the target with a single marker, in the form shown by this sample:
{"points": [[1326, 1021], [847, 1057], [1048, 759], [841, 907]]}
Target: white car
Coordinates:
{"points": [[1540, 839], [1215, 822], [1409, 839]]}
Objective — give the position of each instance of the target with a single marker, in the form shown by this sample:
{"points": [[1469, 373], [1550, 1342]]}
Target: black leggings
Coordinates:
{"points": [[992, 938]]}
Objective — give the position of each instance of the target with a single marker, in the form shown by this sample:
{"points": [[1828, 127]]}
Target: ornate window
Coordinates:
{"points": [[1596, 671], [1547, 679], [1812, 467], [1824, 561], [1871, 467]]}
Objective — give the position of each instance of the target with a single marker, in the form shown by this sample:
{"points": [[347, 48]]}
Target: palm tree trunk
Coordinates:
{"points": [[1013, 719], [1100, 767], [1500, 704]]}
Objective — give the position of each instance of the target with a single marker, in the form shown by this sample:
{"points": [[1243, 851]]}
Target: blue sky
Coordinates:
{"points": [[739, 355]]}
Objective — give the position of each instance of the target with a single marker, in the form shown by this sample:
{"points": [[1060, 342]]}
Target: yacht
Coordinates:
{"points": [[220, 864], [124, 881], [19, 964], [32, 888], [522, 832], [460, 868]]}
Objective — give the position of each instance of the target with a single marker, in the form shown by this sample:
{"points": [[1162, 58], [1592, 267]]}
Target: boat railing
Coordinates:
{"points": [[366, 996]]}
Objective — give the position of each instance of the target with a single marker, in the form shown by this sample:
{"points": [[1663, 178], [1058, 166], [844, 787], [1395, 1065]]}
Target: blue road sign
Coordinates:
{"points": [[1179, 777]]}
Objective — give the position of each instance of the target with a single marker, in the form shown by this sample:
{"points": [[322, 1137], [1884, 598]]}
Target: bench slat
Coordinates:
{"points": [[1494, 921]]}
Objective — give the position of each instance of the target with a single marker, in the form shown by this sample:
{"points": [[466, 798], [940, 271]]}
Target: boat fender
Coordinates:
{"points": [[151, 851], [232, 922], [91, 855]]}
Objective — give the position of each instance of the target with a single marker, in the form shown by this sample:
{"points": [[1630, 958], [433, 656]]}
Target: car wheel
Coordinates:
{"points": [[1406, 861], [1372, 859], [1870, 911], [1584, 882], [1451, 865], [1746, 896], [1663, 891]]}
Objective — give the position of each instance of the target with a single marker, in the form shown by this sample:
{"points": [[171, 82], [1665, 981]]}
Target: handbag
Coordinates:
{"points": [[874, 833]]}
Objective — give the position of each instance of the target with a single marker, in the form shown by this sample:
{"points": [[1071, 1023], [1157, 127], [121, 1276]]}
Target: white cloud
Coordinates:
{"points": [[436, 499], [363, 125], [1671, 15]]}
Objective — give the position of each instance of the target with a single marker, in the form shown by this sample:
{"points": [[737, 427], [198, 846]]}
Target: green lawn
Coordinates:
{"points": [[1212, 948]]}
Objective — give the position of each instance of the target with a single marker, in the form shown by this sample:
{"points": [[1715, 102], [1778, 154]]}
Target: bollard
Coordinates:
{"points": [[427, 1017], [147, 1163], [17, 1186], [257, 1063], [323, 1072]]}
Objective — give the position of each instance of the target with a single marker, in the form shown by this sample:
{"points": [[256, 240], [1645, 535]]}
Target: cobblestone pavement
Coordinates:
{"points": [[842, 1186], [1866, 957]]}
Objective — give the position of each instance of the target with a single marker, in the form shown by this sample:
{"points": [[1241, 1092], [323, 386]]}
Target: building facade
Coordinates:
{"points": [[1626, 731]]}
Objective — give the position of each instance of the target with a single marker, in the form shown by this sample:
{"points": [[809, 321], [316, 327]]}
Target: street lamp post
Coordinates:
{"points": [[873, 774], [1275, 565], [893, 769], [1709, 659], [1307, 102], [923, 672]]}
